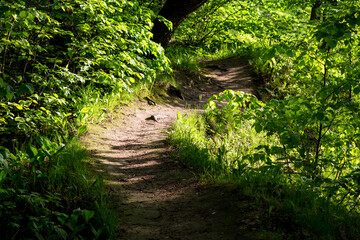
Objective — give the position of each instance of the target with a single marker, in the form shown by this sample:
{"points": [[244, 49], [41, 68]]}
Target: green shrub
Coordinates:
{"points": [[49, 193], [50, 53], [259, 146]]}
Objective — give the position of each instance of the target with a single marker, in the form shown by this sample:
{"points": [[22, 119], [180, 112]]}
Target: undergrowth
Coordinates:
{"points": [[64, 64], [47, 192], [226, 148]]}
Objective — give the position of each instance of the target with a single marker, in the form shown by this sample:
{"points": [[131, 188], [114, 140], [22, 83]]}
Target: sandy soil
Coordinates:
{"points": [[155, 195]]}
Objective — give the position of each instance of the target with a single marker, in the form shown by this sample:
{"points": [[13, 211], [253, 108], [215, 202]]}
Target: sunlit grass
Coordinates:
{"points": [[214, 143], [217, 147], [183, 58], [94, 107]]}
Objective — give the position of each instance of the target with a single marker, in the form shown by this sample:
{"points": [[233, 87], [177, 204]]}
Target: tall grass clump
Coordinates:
{"points": [[215, 143], [184, 58]]}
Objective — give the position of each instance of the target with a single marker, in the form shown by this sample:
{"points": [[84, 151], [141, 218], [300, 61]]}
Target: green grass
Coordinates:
{"points": [[182, 58], [217, 147], [72, 175], [95, 108], [215, 142], [189, 59]]}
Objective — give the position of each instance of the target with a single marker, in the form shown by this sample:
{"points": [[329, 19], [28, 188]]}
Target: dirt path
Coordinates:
{"points": [[155, 196]]}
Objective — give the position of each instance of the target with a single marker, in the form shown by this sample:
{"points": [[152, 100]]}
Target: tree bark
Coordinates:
{"points": [[314, 15], [175, 11]]}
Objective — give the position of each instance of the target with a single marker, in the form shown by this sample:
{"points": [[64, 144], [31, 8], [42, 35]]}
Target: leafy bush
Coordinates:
{"points": [[310, 65], [272, 149], [62, 64], [46, 193], [51, 52], [311, 111], [309, 149]]}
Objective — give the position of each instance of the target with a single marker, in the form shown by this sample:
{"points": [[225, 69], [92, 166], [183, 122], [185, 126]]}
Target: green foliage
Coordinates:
{"points": [[46, 193], [183, 59], [64, 64], [311, 113], [315, 146], [217, 142], [154, 5], [312, 73], [269, 148], [50, 53]]}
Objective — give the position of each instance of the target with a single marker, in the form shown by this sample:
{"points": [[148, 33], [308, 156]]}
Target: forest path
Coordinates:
{"points": [[155, 196]]}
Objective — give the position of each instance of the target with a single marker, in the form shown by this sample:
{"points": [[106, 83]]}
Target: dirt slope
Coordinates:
{"points": [[155, 196]]}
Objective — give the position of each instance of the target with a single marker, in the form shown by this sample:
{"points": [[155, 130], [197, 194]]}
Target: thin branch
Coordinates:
{"points": [[355, 204], [2, 70], [49, 5], [213, 30]]}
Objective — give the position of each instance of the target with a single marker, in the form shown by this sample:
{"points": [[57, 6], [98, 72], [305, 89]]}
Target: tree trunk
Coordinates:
{"points": [[175, 11], [314, 15]]}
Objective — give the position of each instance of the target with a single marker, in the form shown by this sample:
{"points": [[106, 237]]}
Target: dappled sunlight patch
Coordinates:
{"points": [[143, 164]]}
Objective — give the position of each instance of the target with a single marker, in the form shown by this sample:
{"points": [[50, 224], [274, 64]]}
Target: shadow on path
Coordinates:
{"points": [[157, 197]]}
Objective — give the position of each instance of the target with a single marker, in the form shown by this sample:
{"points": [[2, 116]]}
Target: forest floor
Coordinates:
{"points": [[152, 192]]}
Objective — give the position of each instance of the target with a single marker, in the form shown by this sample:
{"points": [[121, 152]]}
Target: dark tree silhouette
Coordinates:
{"points": [[314, 15], [175, 11]]}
